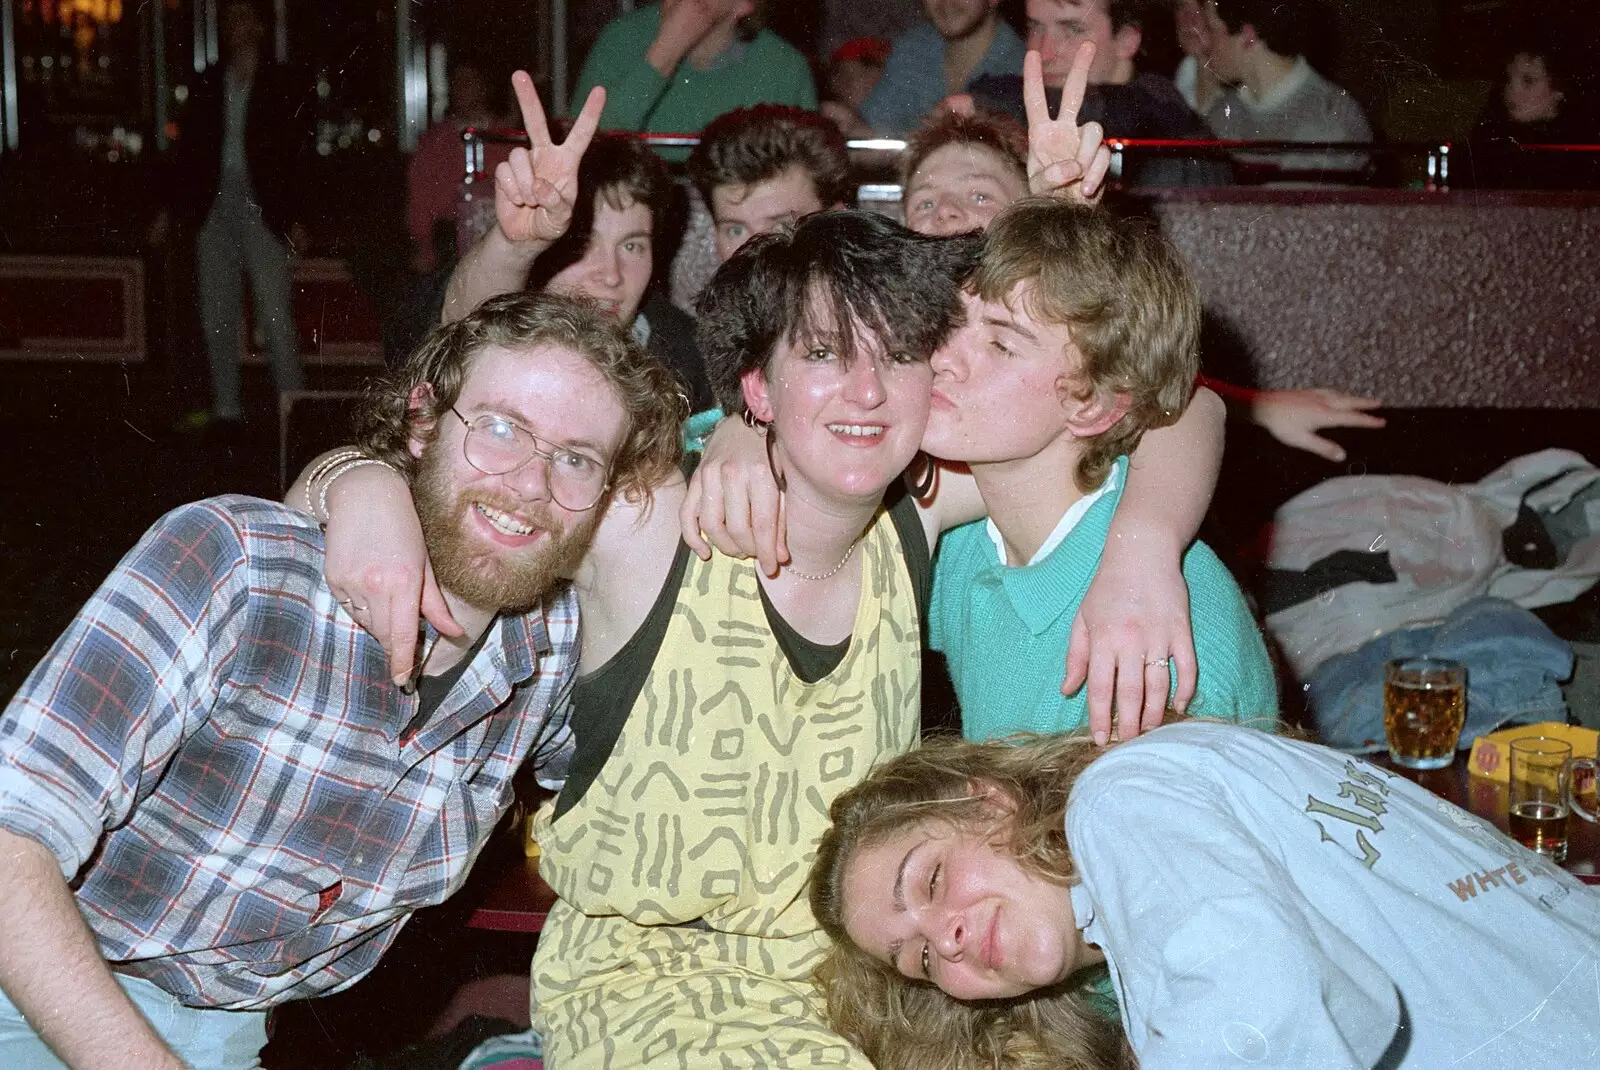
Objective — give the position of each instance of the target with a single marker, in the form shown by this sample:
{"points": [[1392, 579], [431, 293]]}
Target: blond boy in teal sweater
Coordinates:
{"points": [[1082, 333]]}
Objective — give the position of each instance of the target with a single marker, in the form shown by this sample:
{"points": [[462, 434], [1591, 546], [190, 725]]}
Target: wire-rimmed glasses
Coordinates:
{"points": [[495, 446]]}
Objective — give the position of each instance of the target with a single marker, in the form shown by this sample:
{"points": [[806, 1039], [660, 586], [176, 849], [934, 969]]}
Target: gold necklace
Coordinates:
{"points": [[822, 576]]}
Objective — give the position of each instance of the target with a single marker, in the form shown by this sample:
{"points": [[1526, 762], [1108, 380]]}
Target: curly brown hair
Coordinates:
{"points": [[396, 412], [1125, 295], [901, 1024]]}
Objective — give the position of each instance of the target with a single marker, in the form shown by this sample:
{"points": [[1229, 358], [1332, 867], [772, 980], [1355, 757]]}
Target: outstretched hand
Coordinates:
{"points": [[536, 188], [1295, 416], [1063, 157]]}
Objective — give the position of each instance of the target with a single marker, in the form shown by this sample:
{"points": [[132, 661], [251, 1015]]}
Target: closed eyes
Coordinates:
{"points": [[927, 947]]}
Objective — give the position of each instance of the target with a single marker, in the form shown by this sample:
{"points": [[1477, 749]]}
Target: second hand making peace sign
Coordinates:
{"points": [[536, 188], [535, 191], [1063, 157]]}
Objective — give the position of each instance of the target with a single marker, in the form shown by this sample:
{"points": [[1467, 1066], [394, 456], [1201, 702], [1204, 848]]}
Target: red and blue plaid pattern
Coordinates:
{"points": [[212, 749]]}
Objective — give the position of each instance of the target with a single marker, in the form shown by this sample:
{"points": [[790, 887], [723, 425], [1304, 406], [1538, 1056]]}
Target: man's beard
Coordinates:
{"points": [[497, 579]]}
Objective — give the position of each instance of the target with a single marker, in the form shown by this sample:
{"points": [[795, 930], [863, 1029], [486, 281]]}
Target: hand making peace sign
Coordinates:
{"points": [[535, 189], [1063, 157]]}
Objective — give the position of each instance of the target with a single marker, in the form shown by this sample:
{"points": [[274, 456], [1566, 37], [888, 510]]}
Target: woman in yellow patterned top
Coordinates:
{"points": [[713, 736]]}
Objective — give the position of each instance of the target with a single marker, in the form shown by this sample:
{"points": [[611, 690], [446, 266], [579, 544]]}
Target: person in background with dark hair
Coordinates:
{"points": [[960, 40], [625, 223], [609, 203], [1541, 101], [673, 66], [1123, 100], [233, 178], [758, 169], [1258, 47], [213, 798]]}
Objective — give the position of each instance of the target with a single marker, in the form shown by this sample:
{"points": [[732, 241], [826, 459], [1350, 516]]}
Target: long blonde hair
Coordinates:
{"points": [[901, 1024]]}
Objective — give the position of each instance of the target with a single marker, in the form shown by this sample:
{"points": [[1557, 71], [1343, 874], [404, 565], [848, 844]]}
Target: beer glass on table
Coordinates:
{"points": [[1539, 802], [1568, 783], [1424, 707]]}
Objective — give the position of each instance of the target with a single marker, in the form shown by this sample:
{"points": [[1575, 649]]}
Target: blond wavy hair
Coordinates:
{"points": [[1123, 292], [902, 1024]]}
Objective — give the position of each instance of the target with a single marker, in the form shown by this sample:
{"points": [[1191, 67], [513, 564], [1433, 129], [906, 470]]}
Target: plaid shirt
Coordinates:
{"points": [[213, 750]]}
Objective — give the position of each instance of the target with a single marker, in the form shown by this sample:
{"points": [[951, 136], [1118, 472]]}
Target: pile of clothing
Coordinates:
{"points": [[1367, 568]]}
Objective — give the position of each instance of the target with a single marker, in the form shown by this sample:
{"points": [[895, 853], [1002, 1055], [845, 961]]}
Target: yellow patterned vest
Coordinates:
{"points": [[683, 937]]}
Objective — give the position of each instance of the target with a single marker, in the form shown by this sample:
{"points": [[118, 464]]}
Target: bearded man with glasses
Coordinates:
{"points": [[213, 798]]}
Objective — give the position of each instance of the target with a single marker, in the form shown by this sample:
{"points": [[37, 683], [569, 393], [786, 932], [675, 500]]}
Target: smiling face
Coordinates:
{"points": [[1528, 93], [741, 212], [1057, 27], [616, 265], [501, 542], [960, 187], [946, 905], [846, 426]]}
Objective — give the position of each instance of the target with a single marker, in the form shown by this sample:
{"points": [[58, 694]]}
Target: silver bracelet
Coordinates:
{"points": [[340, 469]]}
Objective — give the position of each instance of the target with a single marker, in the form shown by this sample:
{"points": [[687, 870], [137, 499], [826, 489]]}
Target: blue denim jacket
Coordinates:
{"points": [[913, 80], [1514, 668]]}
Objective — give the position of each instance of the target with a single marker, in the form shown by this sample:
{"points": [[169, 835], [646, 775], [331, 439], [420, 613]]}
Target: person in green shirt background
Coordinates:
{"points": [[673, 66]]}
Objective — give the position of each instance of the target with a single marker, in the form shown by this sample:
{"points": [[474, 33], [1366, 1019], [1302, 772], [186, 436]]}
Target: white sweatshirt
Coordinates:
{"points": [[1264, 902]]}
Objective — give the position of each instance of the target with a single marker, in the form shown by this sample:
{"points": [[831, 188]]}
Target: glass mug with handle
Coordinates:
{"points": [[1571, 796], [1544, 792], [1538, 806]]}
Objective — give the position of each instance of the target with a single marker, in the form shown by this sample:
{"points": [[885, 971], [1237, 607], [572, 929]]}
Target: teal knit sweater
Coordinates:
{"points": [[765, 70], [1004, 630]]}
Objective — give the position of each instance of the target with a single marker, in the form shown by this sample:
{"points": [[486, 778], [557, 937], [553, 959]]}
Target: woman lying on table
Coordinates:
{"points": [[1257, 901]]}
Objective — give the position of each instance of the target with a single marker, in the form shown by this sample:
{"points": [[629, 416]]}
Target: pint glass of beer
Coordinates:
{"points": [[1424, 707], [1540, 796]]}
